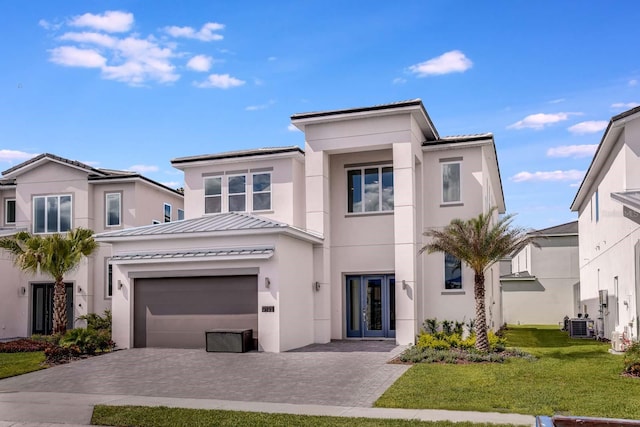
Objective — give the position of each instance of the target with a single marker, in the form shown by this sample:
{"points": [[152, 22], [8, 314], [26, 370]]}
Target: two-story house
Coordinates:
{"points": [[305, 246], [608, 205], [543, 282], [51, 194]]}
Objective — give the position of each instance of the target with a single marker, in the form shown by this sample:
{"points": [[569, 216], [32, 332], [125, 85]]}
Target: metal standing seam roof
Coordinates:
{"points": [[230, 221], [568, 228], [238, 153], [630, 198], [262, 252]]}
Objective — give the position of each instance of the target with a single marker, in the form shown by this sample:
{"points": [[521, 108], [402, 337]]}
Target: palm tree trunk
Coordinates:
{"points": [[482, 340], [59, 307]]}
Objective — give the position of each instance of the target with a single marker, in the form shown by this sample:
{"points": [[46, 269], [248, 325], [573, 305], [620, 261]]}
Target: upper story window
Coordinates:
{"points": [[180, 214], [370, 189], [51, 214], [237, 193], [261, 191], [10, 211], [213, 195], [452, 272], [451, 192], [113, 204], [167, 212]]}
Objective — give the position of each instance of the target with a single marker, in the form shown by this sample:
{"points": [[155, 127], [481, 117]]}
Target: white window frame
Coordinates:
{"points": [[106, 209], [444, 266], [442, 166], [229, 193], [58, 196], [6, 211], [253, 192], [164, 212], [221, 195], [362, 169], [180, 214]]}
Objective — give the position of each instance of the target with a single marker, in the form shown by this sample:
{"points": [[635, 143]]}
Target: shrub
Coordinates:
{"points": [[87, 340], [442, 341], [431, 325], [23, 345], [53, 339], [57, 354], [632, 360], [447, 327], [471, 326], [95, 321]]}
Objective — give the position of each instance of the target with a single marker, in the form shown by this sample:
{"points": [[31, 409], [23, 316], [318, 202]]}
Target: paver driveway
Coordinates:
{"points": [[343, 373]]}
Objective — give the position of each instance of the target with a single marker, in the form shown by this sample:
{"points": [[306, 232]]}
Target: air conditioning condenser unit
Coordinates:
{"points": [[581, 328]]}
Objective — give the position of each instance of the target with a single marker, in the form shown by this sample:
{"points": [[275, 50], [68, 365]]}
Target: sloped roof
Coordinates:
{"points": [[460, 138], [194, 254], [55, 158], [229, 222], [521, 275], [630, 198], [568, 228], [238, 153]]}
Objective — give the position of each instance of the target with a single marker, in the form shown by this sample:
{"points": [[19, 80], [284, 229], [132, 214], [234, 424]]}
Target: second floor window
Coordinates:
{"points": [[237, 193], [451, 182], [10, 211], [113, 209], [51, 214], [370, 189], [213, 195], [261, 191], [167, 212]]}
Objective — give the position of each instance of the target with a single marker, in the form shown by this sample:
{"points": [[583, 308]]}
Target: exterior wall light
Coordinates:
{"points": [[267, 282], [119, 284], [316, 286]]}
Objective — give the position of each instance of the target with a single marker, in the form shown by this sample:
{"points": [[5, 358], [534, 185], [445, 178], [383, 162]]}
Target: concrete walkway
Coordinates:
{"points": [[342, 378]]}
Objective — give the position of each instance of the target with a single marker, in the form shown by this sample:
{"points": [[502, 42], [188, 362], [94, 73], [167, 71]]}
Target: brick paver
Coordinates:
{"points": [[343, 373]]}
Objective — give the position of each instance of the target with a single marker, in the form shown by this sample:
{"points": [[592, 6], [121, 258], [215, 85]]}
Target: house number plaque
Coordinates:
{"points": [[268, 309]]}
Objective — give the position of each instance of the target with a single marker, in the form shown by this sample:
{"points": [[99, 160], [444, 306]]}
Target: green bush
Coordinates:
{"points": [[442, 341], [95, 321], [88, 340], [632, 360], [57, 354]]}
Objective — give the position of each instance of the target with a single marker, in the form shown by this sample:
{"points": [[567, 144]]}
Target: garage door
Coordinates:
{"points": [[175, 312]]}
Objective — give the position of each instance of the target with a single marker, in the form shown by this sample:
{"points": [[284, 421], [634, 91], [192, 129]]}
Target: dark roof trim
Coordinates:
{"points": [[134, 177], [400, 104], [458, 139], [568, 228], [237, 154], [626, 113], [56, 158]]}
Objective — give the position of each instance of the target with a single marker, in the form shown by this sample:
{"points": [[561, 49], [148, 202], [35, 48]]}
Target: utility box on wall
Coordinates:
{"points": [[229, 340]]}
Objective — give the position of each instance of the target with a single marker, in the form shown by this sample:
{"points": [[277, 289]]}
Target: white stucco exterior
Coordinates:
{"points": [[47, 175], [609, 224]]}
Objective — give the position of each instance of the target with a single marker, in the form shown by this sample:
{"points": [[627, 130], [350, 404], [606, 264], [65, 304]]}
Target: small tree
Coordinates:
{"points": [[55, 255], [479, 243]]}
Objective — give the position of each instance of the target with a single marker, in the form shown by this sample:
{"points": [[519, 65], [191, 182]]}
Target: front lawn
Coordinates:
{"points": [[12, 364], [141, 416], [570, 377]]}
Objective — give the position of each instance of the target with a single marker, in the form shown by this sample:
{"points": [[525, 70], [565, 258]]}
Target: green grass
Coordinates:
{"points": [[12, 364], [141, 416], [571, 377]]}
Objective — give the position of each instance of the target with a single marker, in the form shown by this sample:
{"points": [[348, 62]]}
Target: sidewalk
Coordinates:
{"points": [[31, 409]]}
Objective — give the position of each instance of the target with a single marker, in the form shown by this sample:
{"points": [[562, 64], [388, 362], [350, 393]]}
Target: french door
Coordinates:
{"points": [[371, 306], [42, 308]]}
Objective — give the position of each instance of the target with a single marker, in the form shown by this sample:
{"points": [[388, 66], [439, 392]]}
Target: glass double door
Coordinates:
{"points": [[42, 309], [371, 306]]}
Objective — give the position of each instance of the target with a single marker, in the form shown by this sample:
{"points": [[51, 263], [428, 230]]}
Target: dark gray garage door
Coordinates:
{"points": [[176, 311]]}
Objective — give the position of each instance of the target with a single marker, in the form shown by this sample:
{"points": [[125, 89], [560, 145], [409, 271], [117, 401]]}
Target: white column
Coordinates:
{"points": [[404, 240], [317, 205]]}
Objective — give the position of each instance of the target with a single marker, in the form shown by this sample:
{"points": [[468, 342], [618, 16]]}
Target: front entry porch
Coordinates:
{"points": [[370, 309]]}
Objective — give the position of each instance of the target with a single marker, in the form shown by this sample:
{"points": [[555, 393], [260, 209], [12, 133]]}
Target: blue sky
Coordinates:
{"points": [[133, 84]]}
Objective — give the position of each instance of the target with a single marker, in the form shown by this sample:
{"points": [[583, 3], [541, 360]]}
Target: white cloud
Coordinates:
{"points": [[90, 38], [557, 101], [141, 60], [71, 56], [143, 168], [49, 25], [540, 120], [206, 34], [590, 126], [272, 58], [13, 155], [575, 151], [449, 62], [624, 105], [398, 81], [261, 106], [220, 81], [633, 82], [544, 176], [200, 63], [292, 128], [112, 21]]}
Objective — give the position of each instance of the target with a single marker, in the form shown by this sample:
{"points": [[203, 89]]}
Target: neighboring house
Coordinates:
{"points": [[544, 284], [51, 194], [308, 246], [608, 205]]}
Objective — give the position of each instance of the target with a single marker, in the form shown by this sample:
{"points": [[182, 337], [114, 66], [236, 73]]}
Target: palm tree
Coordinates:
{"points": [[55, 255], [479, 243]]}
